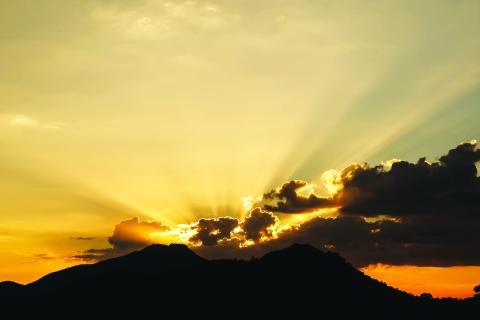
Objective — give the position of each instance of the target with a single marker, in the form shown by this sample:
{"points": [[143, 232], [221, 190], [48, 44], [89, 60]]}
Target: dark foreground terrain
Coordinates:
{"points": [[160, 280]]}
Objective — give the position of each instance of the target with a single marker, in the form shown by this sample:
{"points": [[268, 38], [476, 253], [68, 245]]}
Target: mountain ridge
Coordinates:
{"points": [[300, 274]]}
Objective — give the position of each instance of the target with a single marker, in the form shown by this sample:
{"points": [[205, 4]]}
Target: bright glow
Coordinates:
{"points": [[307, 189], [439, 281], [330, 181], [382, 218], [247, 203], [387, 165]]}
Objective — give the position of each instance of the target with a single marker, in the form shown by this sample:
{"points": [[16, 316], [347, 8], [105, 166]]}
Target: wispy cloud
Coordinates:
{"points": [[23, 121], [83, 238], [29, 122]]}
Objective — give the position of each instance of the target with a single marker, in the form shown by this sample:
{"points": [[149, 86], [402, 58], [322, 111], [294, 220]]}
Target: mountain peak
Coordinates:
{"points": [[303, 247], [158, 256], [156, 247], [299, 250], [10, 284], [172, 251]]}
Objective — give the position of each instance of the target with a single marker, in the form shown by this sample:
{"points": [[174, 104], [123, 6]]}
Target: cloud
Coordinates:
{"points": [[44, 256], [289, 200], [394, 213], [51, 257], [135, 234], [422, 241], [210, 231], [94, 255], [23, 121], [127, 236], [29, 122], [449, 186], [83, 238], [259, 225], [395, 188]]}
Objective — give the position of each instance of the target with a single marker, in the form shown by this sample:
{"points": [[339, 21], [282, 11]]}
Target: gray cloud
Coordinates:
{"points": [[210, 231], [257, 224], [447, 187], [288, 199], [412, 213]]}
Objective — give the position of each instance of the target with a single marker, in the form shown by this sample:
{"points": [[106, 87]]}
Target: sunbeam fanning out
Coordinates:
{"points": [[241, 127], [388, 214]]}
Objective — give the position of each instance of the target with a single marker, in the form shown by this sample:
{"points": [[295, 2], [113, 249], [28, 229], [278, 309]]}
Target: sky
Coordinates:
{"points": [[174, 111]]}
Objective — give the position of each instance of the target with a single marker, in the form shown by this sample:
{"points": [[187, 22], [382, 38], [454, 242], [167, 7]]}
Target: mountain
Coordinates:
{"points": [[10, 287], [300, 280]]}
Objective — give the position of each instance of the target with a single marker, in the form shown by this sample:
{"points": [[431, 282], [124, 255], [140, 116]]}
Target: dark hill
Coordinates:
{"points": [[298, 280], [10, 287]]}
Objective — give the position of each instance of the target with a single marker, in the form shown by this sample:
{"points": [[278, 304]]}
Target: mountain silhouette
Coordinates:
{"points": [[10, 287], [300, 280]]}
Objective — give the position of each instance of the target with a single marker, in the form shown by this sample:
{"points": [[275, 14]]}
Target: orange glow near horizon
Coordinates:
{"points": [[456, 282], [25, 269]]}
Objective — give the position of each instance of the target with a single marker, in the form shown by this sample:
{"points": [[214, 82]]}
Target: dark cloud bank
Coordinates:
{"points": [[410, 213]]}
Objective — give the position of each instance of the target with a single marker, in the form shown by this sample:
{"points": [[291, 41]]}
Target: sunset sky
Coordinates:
{"points": [[173, 111]]}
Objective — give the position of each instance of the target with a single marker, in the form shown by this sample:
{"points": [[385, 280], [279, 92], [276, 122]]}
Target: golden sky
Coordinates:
{"points": [[176, 110]]}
